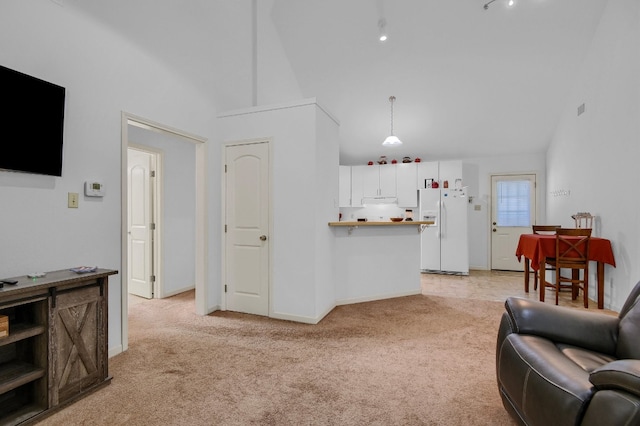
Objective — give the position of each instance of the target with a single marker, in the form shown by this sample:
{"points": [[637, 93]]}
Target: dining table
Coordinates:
{"points": [[536, 248]]}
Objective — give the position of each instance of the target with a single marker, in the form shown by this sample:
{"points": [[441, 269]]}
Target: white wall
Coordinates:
{"points": [[275, 80], [594, 157], [104, 75], [326, 199], [304, 200], [178, 197], [480, 221]]}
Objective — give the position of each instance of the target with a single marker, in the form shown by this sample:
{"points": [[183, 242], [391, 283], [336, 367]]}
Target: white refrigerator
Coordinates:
{"points": [[445, 243]]}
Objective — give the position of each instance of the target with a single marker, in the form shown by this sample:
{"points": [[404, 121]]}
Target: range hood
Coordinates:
{"points": [[379, 200]]}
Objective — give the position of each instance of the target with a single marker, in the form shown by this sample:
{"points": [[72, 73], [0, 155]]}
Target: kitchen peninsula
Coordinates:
{"points": [[377, 260]]}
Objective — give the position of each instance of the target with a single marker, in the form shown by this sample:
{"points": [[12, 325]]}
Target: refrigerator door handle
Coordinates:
{"points": [[440, 216], [443, 215]]}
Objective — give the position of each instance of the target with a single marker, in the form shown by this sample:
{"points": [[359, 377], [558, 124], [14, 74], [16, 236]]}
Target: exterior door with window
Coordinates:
{"points": [[512, 214]]}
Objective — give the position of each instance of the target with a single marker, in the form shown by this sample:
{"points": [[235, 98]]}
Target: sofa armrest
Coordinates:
{"points": [[589, 330], [623, 374]]}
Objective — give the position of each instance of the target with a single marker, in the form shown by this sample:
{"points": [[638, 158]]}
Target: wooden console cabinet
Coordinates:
{"points": [[56, 350]]}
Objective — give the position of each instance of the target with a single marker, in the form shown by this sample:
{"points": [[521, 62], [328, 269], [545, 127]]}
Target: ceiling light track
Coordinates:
{"points": [[509, 4]]}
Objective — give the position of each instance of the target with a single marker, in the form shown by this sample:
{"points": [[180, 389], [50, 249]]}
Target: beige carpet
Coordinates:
{"points": [[417, 360]]}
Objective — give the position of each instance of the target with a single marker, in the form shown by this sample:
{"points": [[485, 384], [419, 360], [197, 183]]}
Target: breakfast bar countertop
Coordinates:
{"points": [[389, 223]]}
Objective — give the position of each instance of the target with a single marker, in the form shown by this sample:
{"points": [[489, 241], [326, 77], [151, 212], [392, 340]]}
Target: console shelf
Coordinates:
{"points": [[51, 320], [16, 373], [22, 331]]}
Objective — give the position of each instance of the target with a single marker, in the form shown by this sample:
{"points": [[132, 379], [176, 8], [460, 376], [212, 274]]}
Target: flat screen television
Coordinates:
{"points": [[32, 113]]}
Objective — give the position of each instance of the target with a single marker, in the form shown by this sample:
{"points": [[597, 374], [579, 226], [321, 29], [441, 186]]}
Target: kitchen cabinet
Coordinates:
{"points": [[450, 171], [407, 184], [56, 350], [379, 181], [427, 170], [456, 169], [344, 186], [376, 182]]}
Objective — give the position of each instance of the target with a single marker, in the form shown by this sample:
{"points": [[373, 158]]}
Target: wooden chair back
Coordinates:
{"points": [[572, 252], [544, 229], [572, 247]]}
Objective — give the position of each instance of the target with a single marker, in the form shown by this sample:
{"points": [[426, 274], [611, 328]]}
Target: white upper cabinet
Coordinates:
{"points": [[427, 170], [344, 187], [362, 184], [377, 181], [449, 172], [387, 180], [465, 172], [407, 184]]}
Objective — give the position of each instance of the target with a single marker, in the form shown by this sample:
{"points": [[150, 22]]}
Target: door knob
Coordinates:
{"points": [[263, 238], [494, 229]]}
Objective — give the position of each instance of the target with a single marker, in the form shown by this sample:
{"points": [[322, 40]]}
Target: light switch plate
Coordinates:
{"points": [[72, 200]]}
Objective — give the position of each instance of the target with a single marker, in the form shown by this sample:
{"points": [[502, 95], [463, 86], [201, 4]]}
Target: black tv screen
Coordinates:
{"points": [[34, 110]]}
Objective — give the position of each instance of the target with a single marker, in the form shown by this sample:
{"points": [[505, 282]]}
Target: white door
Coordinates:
{"points": [[512, 214], [140, 219], [247, 225]]}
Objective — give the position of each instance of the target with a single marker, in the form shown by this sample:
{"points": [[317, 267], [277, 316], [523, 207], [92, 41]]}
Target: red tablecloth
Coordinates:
{"points": [[536, 247]]}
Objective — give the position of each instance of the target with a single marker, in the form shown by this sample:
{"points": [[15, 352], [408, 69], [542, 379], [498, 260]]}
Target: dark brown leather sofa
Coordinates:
{"points": [[565, 366]]}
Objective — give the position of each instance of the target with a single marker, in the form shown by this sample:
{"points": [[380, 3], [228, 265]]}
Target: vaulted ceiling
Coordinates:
{"points": [[468, 81]]}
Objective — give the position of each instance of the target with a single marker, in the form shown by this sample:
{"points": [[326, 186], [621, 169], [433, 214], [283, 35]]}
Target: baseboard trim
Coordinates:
{"points": [[114, 351], [378, 297]]}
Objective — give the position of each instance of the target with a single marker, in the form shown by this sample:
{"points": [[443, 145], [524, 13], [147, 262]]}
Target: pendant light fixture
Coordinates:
{"points": [[392, 139]]}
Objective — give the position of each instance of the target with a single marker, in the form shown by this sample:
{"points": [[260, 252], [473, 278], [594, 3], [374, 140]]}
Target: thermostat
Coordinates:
{"points": [[93, 189]]}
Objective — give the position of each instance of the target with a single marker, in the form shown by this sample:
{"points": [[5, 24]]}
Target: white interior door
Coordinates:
{"points": [[140, 218], [247, 225], [512, 214]]}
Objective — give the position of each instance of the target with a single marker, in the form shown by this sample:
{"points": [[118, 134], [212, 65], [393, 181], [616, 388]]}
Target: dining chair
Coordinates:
{"points": [[583, 220], [544, 230], [572, 252]]}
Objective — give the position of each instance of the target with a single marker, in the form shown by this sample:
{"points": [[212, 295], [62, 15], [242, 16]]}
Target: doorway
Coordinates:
{"points": [[200, 244], [247, 224], [513, 212]]}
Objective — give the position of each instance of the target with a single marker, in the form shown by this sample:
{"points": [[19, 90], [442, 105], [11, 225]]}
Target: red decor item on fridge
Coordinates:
{"points": [[435, 184], [417, 160]]}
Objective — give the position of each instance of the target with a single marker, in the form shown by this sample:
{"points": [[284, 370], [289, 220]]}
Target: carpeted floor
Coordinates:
{"points": [[417, 360]]}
